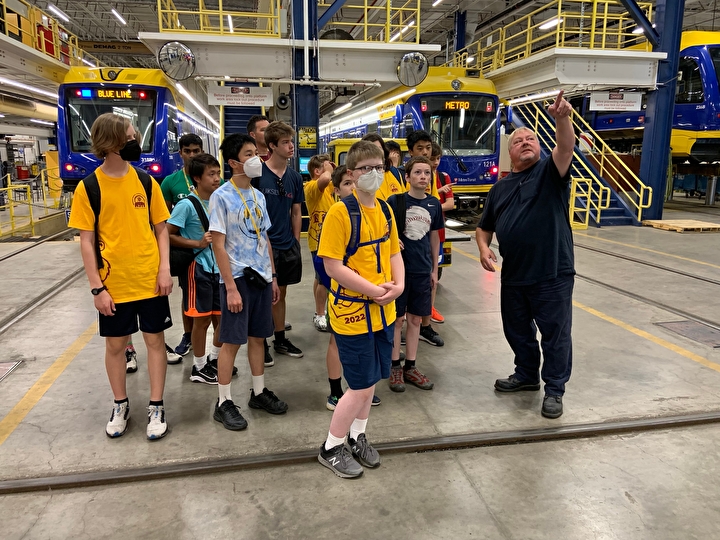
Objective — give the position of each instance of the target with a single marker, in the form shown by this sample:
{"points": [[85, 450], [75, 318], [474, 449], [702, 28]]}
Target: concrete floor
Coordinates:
{"points": [[653, 486], [625, 366]]}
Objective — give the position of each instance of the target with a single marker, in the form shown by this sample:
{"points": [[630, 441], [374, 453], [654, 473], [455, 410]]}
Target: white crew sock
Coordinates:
{"points": [[332, 441], [224, 393], [358, 427], [258, 384], [199, 362], [214, 352]]}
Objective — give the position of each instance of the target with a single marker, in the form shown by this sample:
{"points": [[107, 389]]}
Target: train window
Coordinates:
{"points": [[715, 57], [689, 82], [386, 128], [173, 137], [466, 123], [85, 105]]}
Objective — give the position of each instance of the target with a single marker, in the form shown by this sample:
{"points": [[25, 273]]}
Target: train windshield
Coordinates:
{"points": [[84, 105], [465, 123]]}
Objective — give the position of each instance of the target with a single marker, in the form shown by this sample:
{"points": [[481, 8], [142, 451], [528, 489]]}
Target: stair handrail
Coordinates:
{"points": [[598, 146], [601, 193]]}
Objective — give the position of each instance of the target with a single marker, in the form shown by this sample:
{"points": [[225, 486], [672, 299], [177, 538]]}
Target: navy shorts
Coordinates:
{"points": [[365, 360], [255, 318], [288, 265], [201, 294], [416, 299], [153, 315]]}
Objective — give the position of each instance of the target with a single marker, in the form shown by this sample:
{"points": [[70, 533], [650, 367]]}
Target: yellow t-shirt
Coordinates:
{"points": [[318, 203], [390, 186], [127, 244], [348, 317]]}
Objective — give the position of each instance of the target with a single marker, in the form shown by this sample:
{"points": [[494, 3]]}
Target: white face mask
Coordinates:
{"points": [[253, 167], [370, 182]]}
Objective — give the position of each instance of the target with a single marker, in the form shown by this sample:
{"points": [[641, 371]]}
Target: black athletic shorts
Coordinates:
{"points": [[416, 299], [288, 265], [201, 296], [153, 315]]}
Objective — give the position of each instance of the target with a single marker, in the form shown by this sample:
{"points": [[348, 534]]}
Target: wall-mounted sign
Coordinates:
{"points": [[307, 138], [615, 101], [240, 96]]}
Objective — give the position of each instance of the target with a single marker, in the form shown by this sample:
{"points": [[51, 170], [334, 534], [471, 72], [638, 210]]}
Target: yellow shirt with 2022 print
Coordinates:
{"points": [[127, 243], [318, 203], [348, 317]]}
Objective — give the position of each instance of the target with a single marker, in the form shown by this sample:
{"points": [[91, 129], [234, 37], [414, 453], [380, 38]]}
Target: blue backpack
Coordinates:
{"points": [[353, 208]]}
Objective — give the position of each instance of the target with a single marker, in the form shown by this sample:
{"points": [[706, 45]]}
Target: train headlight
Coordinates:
{"points": [[456, 85], [68, 167]]}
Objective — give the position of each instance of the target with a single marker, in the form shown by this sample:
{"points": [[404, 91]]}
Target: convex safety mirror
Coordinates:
{"points": [[412, 69], [176, 60]]}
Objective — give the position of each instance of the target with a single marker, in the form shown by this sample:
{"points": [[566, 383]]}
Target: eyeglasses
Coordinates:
{"points": [[367, 168], [281, 187]]}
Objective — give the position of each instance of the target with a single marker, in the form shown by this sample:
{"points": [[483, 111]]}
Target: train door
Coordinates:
{"points": [[690, 95]]}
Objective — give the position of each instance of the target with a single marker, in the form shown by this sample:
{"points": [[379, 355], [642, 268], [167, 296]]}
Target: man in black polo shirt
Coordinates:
{"points": [[528, 211], [283, 190]]}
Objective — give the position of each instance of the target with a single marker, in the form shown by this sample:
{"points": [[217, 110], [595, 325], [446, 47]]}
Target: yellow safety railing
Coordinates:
{"points": [[636, 194], [602, 24], [25, 204], [220, 21], [16, 210], [40, 30], [393, 21], [588, 194]]}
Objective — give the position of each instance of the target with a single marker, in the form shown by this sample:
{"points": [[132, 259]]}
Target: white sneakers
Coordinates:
{"points": [[118, 420], [157, 427], [320, 323]]}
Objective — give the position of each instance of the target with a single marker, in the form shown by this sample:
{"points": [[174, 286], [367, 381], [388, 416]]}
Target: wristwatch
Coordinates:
{"points": [[274, 275], [98, 291]]}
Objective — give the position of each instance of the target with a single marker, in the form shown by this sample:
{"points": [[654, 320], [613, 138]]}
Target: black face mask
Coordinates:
{"points": [[131, 151]]}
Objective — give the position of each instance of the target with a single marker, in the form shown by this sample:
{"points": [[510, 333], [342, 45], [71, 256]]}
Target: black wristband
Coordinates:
{"points": [[274, 275]]}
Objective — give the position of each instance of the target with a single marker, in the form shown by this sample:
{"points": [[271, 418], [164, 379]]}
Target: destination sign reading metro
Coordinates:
{"points": [[457, 105]]}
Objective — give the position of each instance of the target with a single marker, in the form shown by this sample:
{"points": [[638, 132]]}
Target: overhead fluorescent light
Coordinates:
{"points": [[58, 12], [436, 3], [2, 116], [343, 108], [407, 27], [470, 59], [395, 37], [534, 97], [452, 223], [88, 63], [550, 24], [638, 30], [370, 108], [230, 24], [27, 87], [118, 16], [199, 107], [43, 122]]}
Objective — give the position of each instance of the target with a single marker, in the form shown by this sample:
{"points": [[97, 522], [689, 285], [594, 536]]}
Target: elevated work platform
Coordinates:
{"points": [[575, 69], [271, 58]]}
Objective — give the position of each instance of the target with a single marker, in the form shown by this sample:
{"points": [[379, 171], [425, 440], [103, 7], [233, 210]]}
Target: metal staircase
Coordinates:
{"points": [[604, 191]]}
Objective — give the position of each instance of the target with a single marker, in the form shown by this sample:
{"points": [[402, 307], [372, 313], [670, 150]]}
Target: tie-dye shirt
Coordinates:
{"points": [[233, 218]]}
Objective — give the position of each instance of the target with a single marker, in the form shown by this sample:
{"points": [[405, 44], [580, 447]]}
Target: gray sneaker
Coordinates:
{"points": [[363, 452], [340, 461]]}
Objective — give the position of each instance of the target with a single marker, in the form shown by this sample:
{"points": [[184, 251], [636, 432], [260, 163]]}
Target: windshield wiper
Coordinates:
{"points": [[460, 163]]}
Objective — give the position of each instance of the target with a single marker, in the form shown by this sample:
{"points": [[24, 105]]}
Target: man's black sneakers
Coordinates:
{"points": [[230, 416], [267, 401]]}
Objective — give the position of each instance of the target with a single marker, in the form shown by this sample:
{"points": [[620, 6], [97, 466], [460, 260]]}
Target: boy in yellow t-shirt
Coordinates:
{"points": [[318, 198], [133, 279], [361, 306]]}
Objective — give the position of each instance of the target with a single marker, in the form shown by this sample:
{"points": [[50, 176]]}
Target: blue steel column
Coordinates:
{"points": [[661, 104], [460, 27], [305, 100]]}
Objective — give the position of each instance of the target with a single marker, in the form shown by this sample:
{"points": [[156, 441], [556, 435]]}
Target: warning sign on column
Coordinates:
{"points": [[307, 138]]}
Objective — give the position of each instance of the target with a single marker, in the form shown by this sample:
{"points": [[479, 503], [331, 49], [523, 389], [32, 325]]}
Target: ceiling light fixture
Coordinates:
{"points": [[638, 30], [118, 16], [199, 107], [394, 38], [550, 24], [43, 122], [27, 87], [343, 108], [470, 59], [58, 12], [86, 62], [436, 3], [370, 108], [230, 24], [533, 97]]}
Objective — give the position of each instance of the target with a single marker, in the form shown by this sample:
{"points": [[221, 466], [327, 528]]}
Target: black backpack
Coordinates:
{"points": [[92, 188], [400, 211], [182, 258]]}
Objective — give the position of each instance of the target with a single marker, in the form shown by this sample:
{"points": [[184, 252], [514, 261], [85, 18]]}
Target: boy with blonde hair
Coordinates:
{"points": [[361, 254]]}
